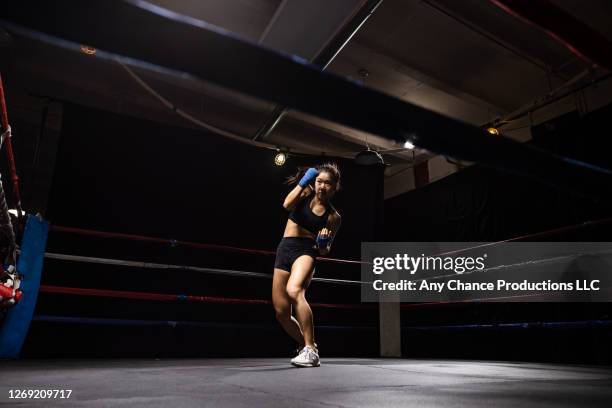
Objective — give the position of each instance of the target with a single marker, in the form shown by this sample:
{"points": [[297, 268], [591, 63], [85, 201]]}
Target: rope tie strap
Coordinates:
{"points": [[6, 134]]}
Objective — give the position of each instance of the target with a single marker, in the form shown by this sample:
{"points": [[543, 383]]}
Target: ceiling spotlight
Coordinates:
{"points": [[280, 158], [493, 131], [408, 145], [87, 50]]}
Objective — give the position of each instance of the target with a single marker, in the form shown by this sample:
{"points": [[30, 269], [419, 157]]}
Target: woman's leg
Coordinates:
{"points": [[301, 274], [282, 306]]}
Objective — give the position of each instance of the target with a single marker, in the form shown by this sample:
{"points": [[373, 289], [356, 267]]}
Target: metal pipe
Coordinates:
{"points": [[323, 60], [580, 39], [492, 38], [551, 97]]}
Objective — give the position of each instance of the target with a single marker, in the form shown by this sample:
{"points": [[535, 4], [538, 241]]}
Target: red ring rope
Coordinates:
{"points": [[190, 298], [9, 151], [189, 244], [172, 242]]}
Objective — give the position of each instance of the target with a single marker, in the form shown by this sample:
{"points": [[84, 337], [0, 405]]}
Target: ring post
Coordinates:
{"points": [[17, 322], [390, 322]]}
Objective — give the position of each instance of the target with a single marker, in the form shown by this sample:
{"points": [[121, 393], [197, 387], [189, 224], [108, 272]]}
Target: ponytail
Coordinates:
{"points": [[330, 168], [294, 179]]}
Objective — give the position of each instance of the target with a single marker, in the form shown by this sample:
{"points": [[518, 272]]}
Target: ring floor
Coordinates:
{"points": [[339, 382]]}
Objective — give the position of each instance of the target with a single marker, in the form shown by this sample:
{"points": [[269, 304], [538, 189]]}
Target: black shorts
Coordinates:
{"points": [[291, 248]]}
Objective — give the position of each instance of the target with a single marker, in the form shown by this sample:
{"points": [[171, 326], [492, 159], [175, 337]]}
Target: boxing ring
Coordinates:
{"points": [[246, 381], [339, 382], [243, 380]]}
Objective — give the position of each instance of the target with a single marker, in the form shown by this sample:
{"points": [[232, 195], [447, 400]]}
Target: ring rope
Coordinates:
{"points": [[297, 84], [197, 245], [183, 297], [173, 323], [547, 233], [576, 324], [175, 243], [524, 263], [9, 152], [514, 326], [152, 265]]}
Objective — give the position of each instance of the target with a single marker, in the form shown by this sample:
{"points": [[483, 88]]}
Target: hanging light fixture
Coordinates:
{"points": [[87, 50], [280, 158]]}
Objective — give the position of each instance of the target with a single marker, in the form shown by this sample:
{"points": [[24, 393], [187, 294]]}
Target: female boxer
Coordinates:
{"points": [[312, 225]]}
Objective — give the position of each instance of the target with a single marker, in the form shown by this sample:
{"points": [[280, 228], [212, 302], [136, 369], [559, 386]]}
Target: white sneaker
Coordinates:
{"points": [[299, 348], [308, 357]]}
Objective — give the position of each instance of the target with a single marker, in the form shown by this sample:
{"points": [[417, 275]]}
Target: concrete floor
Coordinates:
{"points": [[339, 382]]}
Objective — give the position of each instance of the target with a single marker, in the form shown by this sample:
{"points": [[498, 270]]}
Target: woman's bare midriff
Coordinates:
{"points": [[294, 230]]}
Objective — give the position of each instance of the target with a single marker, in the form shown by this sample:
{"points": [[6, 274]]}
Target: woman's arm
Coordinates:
{"points": [[326, 235], [302, 190], [295, 196]]}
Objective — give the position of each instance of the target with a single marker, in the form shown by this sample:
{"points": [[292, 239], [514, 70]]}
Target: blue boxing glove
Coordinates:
{"points": [[310, 175], [323, 240]]}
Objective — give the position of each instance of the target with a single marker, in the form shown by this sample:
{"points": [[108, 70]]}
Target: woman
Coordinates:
{"points": [[312, 225]]}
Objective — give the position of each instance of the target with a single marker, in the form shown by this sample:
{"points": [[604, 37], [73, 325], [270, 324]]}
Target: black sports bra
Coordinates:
{"points": [[303, 216]]}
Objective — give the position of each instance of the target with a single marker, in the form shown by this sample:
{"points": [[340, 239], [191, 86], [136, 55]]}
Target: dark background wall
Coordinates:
{"points": [[121, 174], [482, 204]]}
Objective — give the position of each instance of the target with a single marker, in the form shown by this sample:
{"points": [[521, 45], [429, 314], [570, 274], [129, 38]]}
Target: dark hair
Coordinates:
{"points": [[329, 168]]}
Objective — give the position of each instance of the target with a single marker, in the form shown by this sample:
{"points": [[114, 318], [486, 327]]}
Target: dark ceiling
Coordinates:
{"points": [[466, 59]]}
